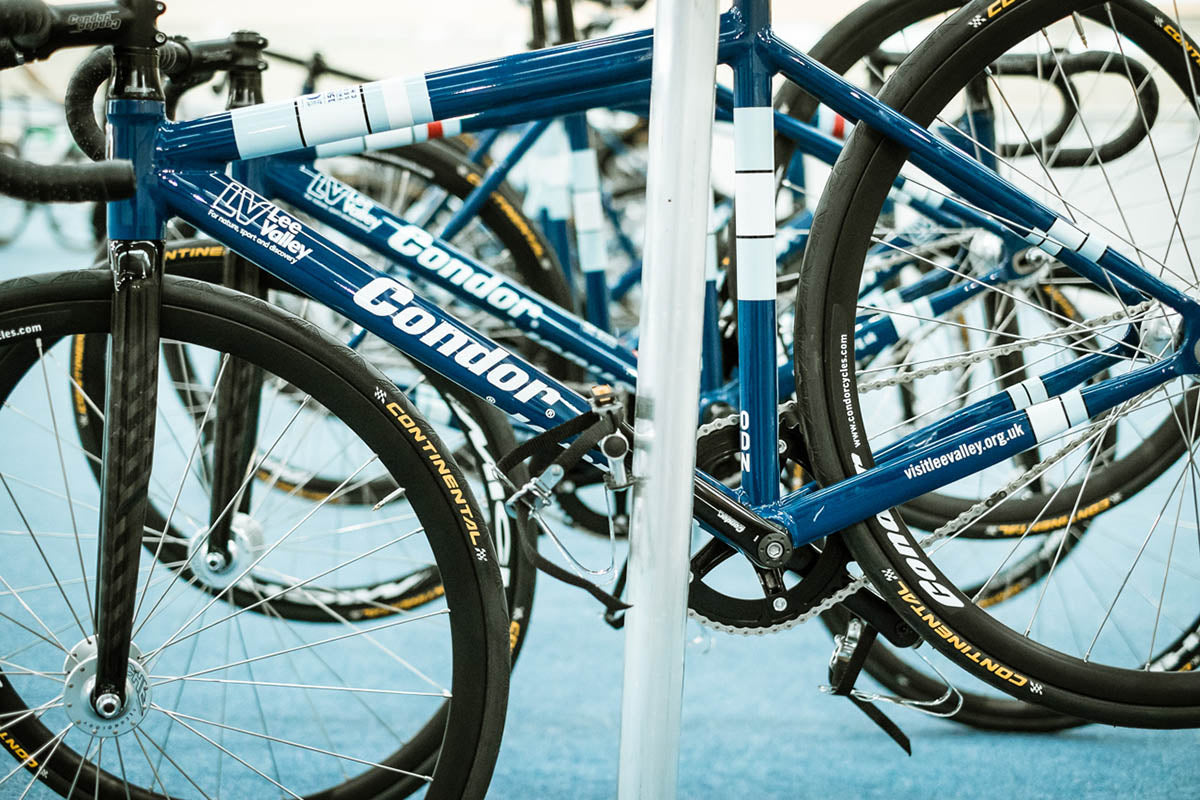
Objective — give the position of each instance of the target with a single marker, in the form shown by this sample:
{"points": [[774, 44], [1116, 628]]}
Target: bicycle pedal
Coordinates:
{"points": [[849, 654]]}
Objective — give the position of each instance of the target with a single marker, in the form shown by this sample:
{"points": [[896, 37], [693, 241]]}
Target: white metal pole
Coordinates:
{"points": [[668, 389]]}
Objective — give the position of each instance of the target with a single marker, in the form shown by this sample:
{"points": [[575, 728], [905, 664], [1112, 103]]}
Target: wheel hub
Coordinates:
{"points": [[244, 546], [115, 720]]}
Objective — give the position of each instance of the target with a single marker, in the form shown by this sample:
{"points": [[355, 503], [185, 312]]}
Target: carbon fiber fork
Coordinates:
{"points": [[130, 407], [237, 406], [131, 391], [240, 387]]}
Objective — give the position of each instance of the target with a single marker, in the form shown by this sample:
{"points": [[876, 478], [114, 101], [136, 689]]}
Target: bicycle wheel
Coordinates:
{"points": [[867, 45], [476, 433], [244, 704], [1119, 642]]}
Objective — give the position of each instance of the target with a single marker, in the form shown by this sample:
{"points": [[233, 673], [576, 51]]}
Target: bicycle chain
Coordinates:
{"points": [[999, 352], [965, 518]]}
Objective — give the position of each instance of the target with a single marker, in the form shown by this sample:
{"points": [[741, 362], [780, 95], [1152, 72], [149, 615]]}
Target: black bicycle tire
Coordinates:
{"points": [[203, 260], [855, 36], [64, 304], [825, 312]]}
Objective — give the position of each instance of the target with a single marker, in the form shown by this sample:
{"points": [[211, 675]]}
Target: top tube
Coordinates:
{"points": [[402, 102]]}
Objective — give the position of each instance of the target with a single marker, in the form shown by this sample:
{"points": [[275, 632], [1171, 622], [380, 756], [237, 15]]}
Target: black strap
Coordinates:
{"points": [[611, 603], [843, 686], [882, 720], [546, 449], [548, 441], [617, 618], [843, 679]]}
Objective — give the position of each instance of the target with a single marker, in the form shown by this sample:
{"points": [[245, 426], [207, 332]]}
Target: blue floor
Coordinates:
{"points": [[754, 724]]}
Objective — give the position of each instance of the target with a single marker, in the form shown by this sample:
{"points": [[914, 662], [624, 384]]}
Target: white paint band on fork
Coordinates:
{"points": [[325, 117]]}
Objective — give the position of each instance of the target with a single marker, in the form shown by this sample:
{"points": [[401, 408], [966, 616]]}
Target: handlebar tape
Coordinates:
{"points": [[29, 19], [87, 79], [59, 183]]}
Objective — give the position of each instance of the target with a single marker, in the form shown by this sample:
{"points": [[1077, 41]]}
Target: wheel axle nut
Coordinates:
{"points": [[107, 705]]}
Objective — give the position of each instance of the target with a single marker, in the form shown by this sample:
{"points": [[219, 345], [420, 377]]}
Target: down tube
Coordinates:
{"points": [[940, 463], [267, 235], [421, 255]]}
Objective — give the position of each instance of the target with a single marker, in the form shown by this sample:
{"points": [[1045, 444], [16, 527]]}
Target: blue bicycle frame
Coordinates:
{"points": [[181, 169]]}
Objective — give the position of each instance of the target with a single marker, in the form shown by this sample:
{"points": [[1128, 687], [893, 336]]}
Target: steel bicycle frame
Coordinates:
{"points": [[181, 173], [293, 178]]}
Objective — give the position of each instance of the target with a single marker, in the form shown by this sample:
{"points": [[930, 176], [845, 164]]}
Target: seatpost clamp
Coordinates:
{"points": [[614, 446]]}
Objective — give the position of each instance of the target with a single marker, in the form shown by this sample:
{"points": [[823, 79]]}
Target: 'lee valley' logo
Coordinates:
{"points": [[257, 218], [348, 203]]}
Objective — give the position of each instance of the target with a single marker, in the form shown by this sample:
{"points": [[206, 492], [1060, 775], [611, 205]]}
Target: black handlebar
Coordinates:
{"points": [[62, 183], [30, 29], [317, 66], [28, 21], [9, 57], [1066, 66], [1059, 69], [185, 62], [91, 73]]}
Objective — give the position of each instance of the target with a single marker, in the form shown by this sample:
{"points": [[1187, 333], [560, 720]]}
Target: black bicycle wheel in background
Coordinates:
{"points": [[258, 703], [1090, 672]]}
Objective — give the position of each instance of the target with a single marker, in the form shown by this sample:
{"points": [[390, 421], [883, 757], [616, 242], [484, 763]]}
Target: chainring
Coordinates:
{"points": [[784, 601]]}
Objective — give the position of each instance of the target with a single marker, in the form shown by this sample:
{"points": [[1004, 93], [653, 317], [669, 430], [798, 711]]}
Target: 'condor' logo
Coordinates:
{"points": [[927, 578], [417, 243], [384, 297]]}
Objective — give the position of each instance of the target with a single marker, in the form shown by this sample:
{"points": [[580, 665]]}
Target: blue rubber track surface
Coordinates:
{"points": [[756, 726]]}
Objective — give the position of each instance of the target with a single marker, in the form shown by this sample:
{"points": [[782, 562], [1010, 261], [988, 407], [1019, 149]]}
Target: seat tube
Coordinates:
{"points": [[587, 212], [548, 199], [588, 215], [135, 110], [754, 203]]}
